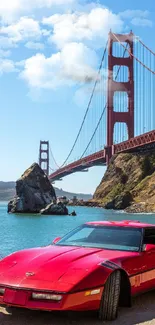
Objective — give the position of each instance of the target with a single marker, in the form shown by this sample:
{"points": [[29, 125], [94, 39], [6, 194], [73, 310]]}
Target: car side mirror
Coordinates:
{"points": [[148, 247], [56, 240], [144, 248]]}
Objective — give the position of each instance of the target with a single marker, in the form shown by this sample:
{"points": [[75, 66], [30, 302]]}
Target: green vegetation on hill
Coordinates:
{"points": [[129, 182]]}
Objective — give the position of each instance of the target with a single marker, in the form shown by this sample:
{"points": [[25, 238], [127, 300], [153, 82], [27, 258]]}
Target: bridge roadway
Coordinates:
{"points": [[142, 142]]}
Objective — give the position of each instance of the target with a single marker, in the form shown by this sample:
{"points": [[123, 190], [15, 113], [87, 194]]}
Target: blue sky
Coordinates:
{"points": [[46, 49]]}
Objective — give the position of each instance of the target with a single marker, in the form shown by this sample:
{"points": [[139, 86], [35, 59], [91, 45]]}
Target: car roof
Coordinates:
{"points": [[122, 223]]}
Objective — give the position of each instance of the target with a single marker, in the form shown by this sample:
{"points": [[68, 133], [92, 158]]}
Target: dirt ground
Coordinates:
{"points": [[142, 312]]}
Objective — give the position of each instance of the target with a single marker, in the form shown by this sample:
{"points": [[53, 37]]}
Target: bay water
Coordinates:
{"points": [[20, 231]]}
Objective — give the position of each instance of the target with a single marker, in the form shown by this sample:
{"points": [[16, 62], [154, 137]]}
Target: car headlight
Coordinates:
{"points": [[46, 296], [2, 291]]}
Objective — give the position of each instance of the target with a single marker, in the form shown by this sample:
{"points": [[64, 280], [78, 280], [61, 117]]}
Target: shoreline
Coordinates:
{"points": [[135, 208]]}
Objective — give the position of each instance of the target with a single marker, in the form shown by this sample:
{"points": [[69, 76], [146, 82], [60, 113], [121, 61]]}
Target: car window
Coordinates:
{"points": [[108, 237], [82, 234], [149, 236]]}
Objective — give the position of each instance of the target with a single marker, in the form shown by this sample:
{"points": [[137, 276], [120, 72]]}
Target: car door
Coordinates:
{"points": [[147, 277], [143, 271], [141, 266]]}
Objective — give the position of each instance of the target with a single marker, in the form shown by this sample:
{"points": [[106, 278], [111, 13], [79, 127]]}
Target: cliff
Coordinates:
{"points": [[129, 183]]}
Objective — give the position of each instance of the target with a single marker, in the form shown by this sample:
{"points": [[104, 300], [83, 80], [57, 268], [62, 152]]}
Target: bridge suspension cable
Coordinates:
{"points": [[144, 65], [102, 114], [88, 107], [53, 159], [140, 41], [144, 96], [144, 88]]}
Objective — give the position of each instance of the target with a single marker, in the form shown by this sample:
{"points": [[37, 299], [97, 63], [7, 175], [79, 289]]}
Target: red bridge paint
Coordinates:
{"points": [[134, 143], [99, 158]]}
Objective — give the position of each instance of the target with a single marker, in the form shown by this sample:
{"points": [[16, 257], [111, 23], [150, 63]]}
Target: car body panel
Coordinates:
{"points": [[77, 273]]}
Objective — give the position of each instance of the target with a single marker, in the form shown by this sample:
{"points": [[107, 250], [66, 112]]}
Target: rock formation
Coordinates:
{"points": [[33, 192], [129, 183], [55, 209]]}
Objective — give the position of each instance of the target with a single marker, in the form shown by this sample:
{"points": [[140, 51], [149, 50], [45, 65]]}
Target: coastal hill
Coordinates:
{"points": [[7, 192], [129, 183]]}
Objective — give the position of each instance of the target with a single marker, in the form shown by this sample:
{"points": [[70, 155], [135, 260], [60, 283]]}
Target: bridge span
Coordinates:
{"points": [[120, 116], [140, 143]]}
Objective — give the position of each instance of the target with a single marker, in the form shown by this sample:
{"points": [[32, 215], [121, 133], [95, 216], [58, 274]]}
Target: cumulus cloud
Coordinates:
{"points": [[141, 22], [7, 66], [137, 17], [25, 28], [77, 35], [10, 10], [75, 63], [6, 43], [128, 14], [90, 27]]}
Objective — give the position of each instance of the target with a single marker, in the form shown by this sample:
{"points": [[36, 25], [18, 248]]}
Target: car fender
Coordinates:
{"points": [[110, 267], [98, 276]]}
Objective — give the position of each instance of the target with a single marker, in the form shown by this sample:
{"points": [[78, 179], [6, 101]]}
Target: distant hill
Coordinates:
{"points": [[7, 185], [80, 196], [7, 192]]}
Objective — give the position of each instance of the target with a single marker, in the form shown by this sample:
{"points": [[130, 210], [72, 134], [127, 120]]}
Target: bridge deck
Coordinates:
{"points": [[145, 141]]}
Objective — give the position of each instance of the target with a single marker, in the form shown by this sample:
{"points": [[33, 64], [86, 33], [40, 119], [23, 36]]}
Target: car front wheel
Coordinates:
{"points": [[110, 298]]}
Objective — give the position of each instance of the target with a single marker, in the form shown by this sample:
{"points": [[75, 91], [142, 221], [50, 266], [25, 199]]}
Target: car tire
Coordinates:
{"points": [[110, 298]]}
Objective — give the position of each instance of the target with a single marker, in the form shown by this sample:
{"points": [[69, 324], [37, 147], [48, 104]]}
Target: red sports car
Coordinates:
{"points": [[98, 266]]}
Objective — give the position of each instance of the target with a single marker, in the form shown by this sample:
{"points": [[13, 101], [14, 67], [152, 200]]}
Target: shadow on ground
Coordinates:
{"points": [[142, 311]]}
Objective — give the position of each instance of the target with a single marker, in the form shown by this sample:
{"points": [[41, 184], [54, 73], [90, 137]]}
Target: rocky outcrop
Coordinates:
{"points": [[55, 209], [120, 202], [77, 203], [90, 203], [33, 192], [129, 183]]}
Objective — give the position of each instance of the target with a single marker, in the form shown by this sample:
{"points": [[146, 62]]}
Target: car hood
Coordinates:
{"points": [[53, 267]]}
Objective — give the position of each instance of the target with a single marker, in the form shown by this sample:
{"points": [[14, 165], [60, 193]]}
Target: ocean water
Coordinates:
{"points": [[25, 231]]}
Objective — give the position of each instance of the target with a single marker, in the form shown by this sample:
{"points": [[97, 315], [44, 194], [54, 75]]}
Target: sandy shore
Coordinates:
{"points": [[142, 312]]}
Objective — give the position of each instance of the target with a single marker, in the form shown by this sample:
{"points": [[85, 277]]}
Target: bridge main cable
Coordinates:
{"points": [[144, 65], [138, 39], [101, 116], [100, 67], [53, 159]]}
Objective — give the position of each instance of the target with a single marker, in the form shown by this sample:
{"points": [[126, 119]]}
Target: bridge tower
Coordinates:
{"points": [[44, 156], [113, 86]]}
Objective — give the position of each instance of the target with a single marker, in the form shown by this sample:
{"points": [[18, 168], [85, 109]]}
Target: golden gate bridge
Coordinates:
{"points": [[120, 116]]}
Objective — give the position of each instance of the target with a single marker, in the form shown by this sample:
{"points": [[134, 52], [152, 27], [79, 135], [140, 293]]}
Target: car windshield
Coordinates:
{"points": [[106, 237]]}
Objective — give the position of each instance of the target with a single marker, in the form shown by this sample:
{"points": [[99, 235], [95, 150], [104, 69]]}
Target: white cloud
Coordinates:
{"points": [[128, 14], [6, 42], [11, 9], [91, 27], [75, 63], [75, 34], [25, 28], [7, 66], [34, 45], [141, 22], [137, 17]]}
